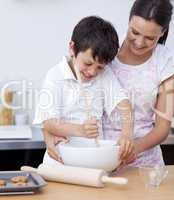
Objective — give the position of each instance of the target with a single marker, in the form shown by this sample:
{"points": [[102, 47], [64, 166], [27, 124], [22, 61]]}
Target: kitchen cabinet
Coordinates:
{"points": [[14, 159], [168, 154], [15, 153]]}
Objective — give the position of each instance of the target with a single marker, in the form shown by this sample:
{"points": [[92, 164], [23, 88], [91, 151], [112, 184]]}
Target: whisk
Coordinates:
{"points": [[87, 99]]}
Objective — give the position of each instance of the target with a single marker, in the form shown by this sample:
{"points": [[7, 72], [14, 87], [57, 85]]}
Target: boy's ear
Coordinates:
{"points": [[71, 48]]}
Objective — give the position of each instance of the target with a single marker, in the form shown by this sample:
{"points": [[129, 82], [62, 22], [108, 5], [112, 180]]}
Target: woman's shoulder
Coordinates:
{"points": [[162, 52], [165, 62], [163, 56]]}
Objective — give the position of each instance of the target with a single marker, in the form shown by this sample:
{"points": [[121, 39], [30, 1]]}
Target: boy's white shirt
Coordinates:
{"points": [[61, 96]]}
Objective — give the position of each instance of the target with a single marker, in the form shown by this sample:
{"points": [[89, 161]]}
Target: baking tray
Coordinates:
{"points": [[35, 183]]}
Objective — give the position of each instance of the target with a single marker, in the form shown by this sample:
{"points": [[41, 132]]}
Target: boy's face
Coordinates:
{"points": [[88, 67]]}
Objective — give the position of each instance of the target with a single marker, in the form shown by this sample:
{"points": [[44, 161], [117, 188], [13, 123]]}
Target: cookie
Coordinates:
{"points": [[18, 179], [20, 184], [2, 182]]}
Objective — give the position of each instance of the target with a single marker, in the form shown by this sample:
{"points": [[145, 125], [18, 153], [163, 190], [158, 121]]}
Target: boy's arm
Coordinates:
{"points": [[59, 128], [54, 127]]}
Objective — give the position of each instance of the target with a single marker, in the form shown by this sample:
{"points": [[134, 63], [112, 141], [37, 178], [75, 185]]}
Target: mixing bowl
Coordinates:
{"points": [[84, 152]]}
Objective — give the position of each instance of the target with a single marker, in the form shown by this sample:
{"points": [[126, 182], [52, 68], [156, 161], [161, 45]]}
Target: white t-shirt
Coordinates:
{"points": [[62, 97]]}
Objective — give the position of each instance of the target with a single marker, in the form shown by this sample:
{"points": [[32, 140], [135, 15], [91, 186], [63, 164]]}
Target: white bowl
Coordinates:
{"points": [[83, 152]]}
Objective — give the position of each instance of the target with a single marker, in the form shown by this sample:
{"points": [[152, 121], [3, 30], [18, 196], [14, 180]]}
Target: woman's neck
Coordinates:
{"points": [[127, 57]]}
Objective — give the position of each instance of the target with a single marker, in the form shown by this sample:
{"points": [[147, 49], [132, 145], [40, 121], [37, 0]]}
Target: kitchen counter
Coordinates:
{"points": [[36, 142], [135, 190]]}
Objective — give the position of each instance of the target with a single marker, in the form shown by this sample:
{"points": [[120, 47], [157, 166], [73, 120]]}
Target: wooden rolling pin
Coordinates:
{"points": [[75, 175]]}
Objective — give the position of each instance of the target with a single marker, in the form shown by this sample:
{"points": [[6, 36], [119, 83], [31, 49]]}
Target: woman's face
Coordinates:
{"points": [[143, 35]]}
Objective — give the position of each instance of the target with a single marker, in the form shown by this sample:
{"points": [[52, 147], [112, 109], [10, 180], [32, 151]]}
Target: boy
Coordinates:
{"points": [[75, 108]]}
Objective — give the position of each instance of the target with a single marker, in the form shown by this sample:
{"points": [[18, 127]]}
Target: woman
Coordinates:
{"points": [[145, 67]]}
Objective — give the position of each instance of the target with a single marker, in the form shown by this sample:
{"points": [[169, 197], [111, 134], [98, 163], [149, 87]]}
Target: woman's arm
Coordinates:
{"points": [[126, 140], [126, 117], [164, 112]]}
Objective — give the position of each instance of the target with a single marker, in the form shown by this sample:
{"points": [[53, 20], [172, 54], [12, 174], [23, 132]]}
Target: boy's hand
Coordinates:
{"points": [[51, 142], [126, 147], [90, 128]]}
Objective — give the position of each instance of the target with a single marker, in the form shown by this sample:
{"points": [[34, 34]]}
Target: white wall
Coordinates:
{"points": [[34, 33]]}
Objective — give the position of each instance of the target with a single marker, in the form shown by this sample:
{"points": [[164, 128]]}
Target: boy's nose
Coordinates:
{"points": [[92, 72]]}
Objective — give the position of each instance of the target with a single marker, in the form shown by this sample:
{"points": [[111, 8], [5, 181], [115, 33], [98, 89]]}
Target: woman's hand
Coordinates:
{"points": [[134, 154], [131, 158], [126, 147]]}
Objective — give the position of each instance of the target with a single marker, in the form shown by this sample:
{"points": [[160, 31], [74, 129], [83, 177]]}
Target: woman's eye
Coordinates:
{"points": [[151, 39], [87, 64]]}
